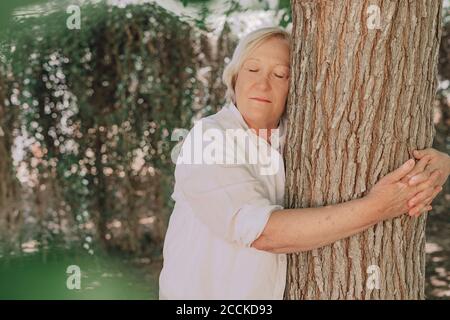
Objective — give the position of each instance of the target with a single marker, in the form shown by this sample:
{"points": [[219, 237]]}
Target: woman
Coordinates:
{"points": [[229, 233]]}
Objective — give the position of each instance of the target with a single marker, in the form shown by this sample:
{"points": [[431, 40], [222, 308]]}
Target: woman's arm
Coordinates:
{"points": [[294, 230]]}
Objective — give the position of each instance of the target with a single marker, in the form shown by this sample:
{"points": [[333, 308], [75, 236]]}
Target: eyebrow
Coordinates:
{"points": [[282, 64]]}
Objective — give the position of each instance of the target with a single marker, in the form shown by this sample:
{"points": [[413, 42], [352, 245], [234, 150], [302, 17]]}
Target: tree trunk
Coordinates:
{"points": [[360, 101]]}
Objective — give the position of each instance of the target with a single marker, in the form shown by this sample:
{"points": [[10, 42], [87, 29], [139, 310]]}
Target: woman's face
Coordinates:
{"points": [[262, 84]]}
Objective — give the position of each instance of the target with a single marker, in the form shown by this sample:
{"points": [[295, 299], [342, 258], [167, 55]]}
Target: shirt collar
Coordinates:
{"points": [[231, 107]]}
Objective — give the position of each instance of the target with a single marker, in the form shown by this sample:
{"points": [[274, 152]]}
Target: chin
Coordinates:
{"points": [[259, 109], [259, 115], [255, 105]]}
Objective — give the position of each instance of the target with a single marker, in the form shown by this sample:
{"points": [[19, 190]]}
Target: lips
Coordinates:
{"points": [[261, 99]]}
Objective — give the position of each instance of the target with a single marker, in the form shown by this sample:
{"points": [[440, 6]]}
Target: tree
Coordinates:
{"points": [[363, 82]]}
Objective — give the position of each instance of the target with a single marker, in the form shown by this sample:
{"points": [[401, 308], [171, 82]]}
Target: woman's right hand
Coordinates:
{"points": [[392, 192]]}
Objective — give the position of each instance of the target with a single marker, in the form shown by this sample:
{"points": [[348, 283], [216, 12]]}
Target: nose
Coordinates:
{"points": [[263, 81]]}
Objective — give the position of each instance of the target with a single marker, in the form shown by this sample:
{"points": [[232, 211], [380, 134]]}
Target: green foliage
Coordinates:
{"points": [[7, 7], [285, 7], [99, 99], [98, 106], [229, 7]]}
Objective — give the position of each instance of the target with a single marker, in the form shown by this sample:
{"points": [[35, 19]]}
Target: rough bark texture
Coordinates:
{"points": [[360, 102]]}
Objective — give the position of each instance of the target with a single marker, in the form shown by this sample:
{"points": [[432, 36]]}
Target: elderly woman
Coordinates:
{"points": [[229, 233]]}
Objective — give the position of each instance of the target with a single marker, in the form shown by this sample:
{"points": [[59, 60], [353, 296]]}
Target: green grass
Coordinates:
{"points": [[43, 276]]}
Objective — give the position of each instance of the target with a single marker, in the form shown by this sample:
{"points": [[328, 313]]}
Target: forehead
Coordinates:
{"points": [[274, 50], [276, 61]]}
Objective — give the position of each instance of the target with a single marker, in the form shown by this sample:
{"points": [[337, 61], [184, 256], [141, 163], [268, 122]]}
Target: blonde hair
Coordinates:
{"points": [[243, 49]]}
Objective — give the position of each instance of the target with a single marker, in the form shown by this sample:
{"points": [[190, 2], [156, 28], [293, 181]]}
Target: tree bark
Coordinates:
{"points": [[360, 101]]}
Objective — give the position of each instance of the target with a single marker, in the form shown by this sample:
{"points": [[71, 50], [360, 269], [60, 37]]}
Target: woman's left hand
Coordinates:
{"points": [[437, 161]]}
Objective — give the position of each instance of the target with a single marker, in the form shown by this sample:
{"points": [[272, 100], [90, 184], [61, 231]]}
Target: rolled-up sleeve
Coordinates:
{"points": [[228, 199], [231, 203]]}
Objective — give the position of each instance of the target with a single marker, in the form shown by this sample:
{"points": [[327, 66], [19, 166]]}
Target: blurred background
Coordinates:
{"points": [[93, 98]]}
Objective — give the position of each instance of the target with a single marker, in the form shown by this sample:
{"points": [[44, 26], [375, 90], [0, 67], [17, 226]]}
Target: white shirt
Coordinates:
{"points": [[220, 209]]}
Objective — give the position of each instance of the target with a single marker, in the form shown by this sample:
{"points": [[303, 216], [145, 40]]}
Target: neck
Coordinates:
{"points": [[258, 127], [264, 130]]}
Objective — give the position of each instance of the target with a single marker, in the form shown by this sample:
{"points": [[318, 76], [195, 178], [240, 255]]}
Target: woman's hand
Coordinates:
{"points": [[392, 192], [430, 160]]}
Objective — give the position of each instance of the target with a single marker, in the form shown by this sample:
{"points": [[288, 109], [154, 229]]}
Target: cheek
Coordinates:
{"points": [[243, 87], [240, 84], [282, 91]]}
